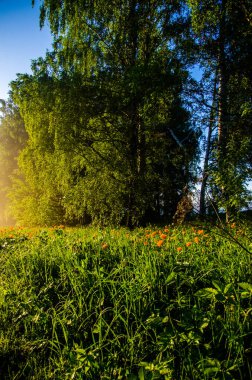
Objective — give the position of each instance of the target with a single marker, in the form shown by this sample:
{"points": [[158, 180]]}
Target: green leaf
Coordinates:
{"points": [[218, 285], [204, 326], [211, 366], [212, 363], [211, 370], [172, 276], [245, 286], [141, 373], [165, 319], [228, 288], [206, 292]]}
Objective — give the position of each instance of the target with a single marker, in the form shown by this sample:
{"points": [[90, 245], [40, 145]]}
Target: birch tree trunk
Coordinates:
{"points": [[205, 174]]}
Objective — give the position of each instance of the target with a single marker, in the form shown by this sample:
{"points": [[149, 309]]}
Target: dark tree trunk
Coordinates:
{"points": [[133, 118], [137, 141], [222, 108]]}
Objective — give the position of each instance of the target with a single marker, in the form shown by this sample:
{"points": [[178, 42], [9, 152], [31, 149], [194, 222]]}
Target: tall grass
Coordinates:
{"points": [[114, 304]]}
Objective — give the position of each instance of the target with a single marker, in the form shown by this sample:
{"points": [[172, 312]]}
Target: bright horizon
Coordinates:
{"points": [[21, 40]]}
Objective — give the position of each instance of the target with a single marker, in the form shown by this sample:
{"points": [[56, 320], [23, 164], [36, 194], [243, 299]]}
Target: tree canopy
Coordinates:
{"points": [[112, 136]]}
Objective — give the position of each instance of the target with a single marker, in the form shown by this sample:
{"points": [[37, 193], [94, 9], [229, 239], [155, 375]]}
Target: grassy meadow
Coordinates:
{"points": [[170, 303]]}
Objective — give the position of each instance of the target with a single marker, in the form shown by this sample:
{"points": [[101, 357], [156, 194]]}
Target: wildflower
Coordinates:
{"points": [[196, 240], [163, 236], [188, 243], [154, 234], [166, 230], [104, 246], [145, 243], [200, 232], [160, 242], [232, 225], [179, 249], [11, 236]]}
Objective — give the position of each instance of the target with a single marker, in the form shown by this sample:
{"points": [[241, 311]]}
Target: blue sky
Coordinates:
{"points": [[21, 40]]}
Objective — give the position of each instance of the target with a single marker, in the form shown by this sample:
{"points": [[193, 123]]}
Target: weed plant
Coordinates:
{"points": [[174, 303]]}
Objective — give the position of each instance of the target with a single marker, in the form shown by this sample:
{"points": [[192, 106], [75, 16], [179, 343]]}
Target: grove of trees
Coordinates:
{"points": [[111, 126]]}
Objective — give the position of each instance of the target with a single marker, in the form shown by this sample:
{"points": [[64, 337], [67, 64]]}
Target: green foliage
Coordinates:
{"points": [[101, 304], [110, 135], [12, 139], [223, 36], [105, 116], [35, 197]]}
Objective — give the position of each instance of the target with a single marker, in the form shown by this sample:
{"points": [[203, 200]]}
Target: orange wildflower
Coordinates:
{"points": [[11, 236], [196, 239], [179, 249], [163, 236], [188, 243], [232, 225], [145, 243], [200, 232], [104, 246], [160, 242], [166, 230], [154, 234]]}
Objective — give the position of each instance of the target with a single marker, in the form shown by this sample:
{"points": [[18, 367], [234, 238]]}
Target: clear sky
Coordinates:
{"points": [[21, 40]]}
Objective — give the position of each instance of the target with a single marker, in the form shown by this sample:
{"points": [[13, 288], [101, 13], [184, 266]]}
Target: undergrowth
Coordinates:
{"points": [[173, 303]]}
